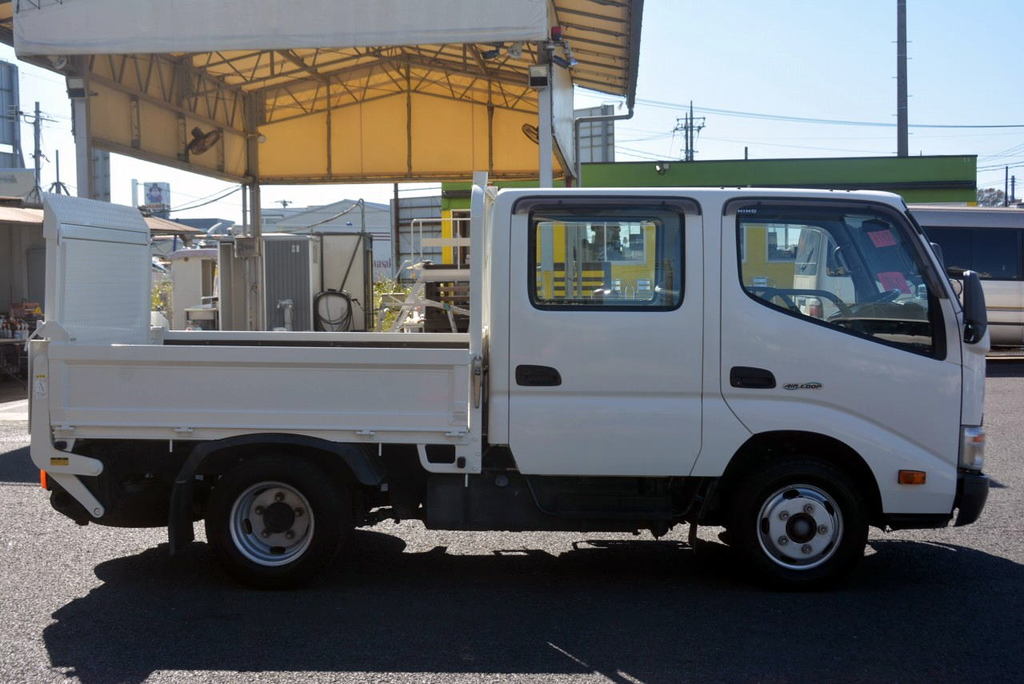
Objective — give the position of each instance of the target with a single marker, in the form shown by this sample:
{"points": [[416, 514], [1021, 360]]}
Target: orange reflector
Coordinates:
{"points": [[912, 477], [43, 481]]}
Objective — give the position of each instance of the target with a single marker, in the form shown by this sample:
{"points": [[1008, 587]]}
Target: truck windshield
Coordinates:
{"points": [[852, 269]]}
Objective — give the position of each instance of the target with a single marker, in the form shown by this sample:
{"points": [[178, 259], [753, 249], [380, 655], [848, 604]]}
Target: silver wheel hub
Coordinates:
{"points": [[271, 524], [799, 527]]}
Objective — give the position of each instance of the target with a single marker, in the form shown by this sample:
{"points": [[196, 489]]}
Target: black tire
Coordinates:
{"points": [[275, 521], [798, 524]]}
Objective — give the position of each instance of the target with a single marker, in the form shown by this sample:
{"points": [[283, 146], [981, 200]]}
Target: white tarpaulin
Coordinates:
{"points": [[79, 27]]}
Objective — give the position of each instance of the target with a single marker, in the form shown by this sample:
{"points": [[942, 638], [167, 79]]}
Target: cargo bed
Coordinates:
{"points": [[342, 387]]}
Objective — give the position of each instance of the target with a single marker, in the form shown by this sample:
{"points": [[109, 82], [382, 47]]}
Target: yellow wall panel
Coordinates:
{"points": [[159, 128], [368, 141], [347, 141], [295, 148], [444, 137], [481, 131], [384, 133], [109, 115], [513, 151], [234, 154]]}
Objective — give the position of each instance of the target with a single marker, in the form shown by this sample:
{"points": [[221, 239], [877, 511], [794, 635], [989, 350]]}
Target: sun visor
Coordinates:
{"points": [[81, 27]]}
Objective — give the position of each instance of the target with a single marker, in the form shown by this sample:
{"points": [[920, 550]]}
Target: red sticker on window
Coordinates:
{"points": [[893, 280], [883, 238]]}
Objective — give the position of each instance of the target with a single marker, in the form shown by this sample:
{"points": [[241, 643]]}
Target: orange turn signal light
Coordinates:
{"points": [[43, 480], [912, 477]]}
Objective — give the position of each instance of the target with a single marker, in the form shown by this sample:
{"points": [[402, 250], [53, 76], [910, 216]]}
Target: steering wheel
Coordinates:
{"points": [[887, 296], [770, 293], [843, 310]]}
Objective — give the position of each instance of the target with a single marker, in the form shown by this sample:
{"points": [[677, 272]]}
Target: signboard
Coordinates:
{"points": [[157, 198]]}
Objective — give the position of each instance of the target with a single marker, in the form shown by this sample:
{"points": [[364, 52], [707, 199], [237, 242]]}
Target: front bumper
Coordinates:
{"points": [[971, 494]]}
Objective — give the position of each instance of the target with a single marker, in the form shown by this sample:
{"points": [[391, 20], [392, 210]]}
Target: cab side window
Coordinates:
{"points": [[852, 269]]}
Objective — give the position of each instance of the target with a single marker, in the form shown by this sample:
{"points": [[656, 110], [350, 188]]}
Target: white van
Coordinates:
{"points": [[989, 241]]}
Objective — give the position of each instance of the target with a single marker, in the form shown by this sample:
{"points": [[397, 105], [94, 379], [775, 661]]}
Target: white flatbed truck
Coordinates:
{"points": [[636, 359]]}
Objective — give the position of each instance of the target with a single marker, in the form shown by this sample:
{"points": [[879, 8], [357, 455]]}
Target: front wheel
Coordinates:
{"points": [[273, 522], [799, 524]]}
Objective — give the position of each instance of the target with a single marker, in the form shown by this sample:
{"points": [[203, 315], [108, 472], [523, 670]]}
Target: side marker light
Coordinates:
{"points": [[912, 477]]}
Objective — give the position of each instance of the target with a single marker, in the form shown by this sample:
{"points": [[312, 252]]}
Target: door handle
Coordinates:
{"points": [[751, 378], [537, 376]]}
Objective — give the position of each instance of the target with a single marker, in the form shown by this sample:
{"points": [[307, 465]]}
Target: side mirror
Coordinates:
{"points": [[975, 314]]}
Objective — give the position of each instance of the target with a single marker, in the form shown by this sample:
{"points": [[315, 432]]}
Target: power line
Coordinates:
{"points": [[811, 120], [211, 201], [641, 154], [799, 147], [997, 167]]}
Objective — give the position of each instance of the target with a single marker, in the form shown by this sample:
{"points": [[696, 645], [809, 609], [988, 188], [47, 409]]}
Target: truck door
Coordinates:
{"points": [[605, 335], [876, 365]]}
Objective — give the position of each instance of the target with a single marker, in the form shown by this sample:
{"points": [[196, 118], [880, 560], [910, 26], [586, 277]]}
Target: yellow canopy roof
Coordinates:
{"points": [[349, 114]]}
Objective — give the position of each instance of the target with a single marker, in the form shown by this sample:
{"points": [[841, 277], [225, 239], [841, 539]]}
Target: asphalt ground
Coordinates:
{"points": [[405, 604]]}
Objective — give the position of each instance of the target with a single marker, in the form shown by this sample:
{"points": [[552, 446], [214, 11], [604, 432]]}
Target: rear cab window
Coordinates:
{"points": [[606, 257]]}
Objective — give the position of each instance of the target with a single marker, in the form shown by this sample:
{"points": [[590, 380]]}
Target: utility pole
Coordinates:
{"points": [[690, 128], [902, 125], [1013, 189], [35, 196], [1006, 186], [37, 154]]}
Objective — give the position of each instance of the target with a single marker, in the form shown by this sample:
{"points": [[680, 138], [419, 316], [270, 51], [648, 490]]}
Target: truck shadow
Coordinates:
{"points": [[16, 466], [644, 610]]}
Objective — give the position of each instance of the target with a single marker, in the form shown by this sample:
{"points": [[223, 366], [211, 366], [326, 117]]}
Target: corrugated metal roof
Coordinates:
{"points": [[162, 226], [20, 215], [34, 217]]}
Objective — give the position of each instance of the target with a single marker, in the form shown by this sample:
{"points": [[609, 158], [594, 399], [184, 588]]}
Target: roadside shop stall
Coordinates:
{"points": [[22, 272]]}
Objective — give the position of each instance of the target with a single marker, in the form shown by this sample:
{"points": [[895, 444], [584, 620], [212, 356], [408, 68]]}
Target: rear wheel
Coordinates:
{"points": [[274, 522], [799, 524]]}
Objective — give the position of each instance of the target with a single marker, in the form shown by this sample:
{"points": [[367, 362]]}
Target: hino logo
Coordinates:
{"points": [[805, 385]]}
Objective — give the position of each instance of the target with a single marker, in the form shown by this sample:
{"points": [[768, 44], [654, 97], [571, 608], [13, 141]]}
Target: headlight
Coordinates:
{"points": [[972, 448]]}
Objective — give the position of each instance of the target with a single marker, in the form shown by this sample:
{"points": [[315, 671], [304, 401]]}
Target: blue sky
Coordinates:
{"points": [[828, 60]]}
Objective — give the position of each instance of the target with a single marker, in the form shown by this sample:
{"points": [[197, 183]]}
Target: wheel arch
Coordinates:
{"points": [[764, 448], [347, 463]]}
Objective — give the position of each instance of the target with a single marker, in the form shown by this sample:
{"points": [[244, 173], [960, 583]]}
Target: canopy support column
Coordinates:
{"points": [[78, 93], [545, 132], [254, 253]]}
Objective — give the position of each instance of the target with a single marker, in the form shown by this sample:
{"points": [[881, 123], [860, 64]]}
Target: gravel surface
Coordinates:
{"points": [[405, 604]]}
